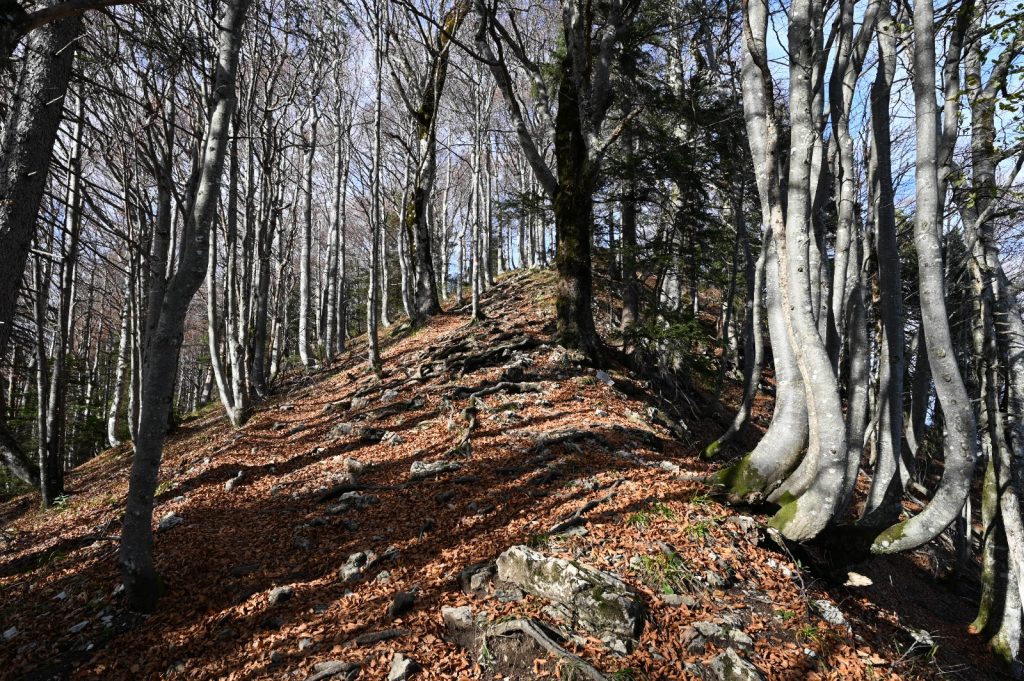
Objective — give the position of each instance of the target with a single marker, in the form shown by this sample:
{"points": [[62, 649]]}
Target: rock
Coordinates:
{"points": [[420, 470], [340, 430], [508, 593], [358, 403], [658, 417], [384, 576], [334, 669], [280, 594], [78, 628], [351, 500], [356, 564], [456, 618], [829, 612], [234, 482], [402, 668], [600, 602], [669, 467], [697, 635], [480, 509], [276, 657], [729, 666], [475, 579], [401, 604], [921, 641], [714, 580], [604, 377], [302, 543], [305, 643], [392, 438], [462, 626], [857, 579], [678, 600], [745, 527], [445, 496], [371, 436], [741, 639], [169, 521], [389, 395], [10, 633], [294, 430], [355, 466], [272, 623]]}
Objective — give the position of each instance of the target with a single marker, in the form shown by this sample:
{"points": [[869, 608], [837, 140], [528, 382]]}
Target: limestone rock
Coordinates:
{"points": [[371, 436], [280, 594], [600, 602], [356, 564], [729, 666], [351, 500], [402, 668], [169, 521], [463, 626], [334, 669], [697, 635], [421, 470], [355, 466], [744, 526], [340, 430], [829, 612], [234, 482], [475, 580]]}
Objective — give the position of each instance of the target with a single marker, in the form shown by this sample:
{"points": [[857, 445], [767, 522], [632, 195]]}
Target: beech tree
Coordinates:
{"points": [[168, 305], [226, 195]]}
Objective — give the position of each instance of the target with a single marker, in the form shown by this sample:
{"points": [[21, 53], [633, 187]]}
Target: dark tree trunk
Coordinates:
{"points": [[573, 206], [29, 136]]}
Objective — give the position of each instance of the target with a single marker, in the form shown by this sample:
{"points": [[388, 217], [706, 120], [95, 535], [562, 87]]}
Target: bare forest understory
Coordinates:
{"points": [[365, 527]]}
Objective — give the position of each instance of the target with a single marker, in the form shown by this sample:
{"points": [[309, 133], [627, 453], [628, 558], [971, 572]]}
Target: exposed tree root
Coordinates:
{"points": [[578, 517], [533, 629], [511, 387]]}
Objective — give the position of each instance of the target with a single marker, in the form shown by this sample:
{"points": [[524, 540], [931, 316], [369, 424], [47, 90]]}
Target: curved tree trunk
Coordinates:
{"points": [[958, 416], [891, 472]]}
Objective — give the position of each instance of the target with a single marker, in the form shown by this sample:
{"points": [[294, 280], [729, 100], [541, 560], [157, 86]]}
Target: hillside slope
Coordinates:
{"points": [[288, 541]]}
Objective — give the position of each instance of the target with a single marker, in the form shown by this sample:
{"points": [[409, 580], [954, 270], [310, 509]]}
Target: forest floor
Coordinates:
{"points": [[295, 533]]}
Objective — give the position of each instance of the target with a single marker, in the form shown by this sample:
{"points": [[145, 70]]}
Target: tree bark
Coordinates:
{"points": [[29, 136], [958, 417], [142, 584]]}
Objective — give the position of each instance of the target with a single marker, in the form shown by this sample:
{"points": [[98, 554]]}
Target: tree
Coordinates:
{"points": [[142, 585], [29, 136], [582, 100]]}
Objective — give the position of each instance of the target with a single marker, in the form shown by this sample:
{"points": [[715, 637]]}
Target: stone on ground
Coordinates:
{"points": [[729, 666], [421, 470], [600, 602], [402, 668], [334, 669]]}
